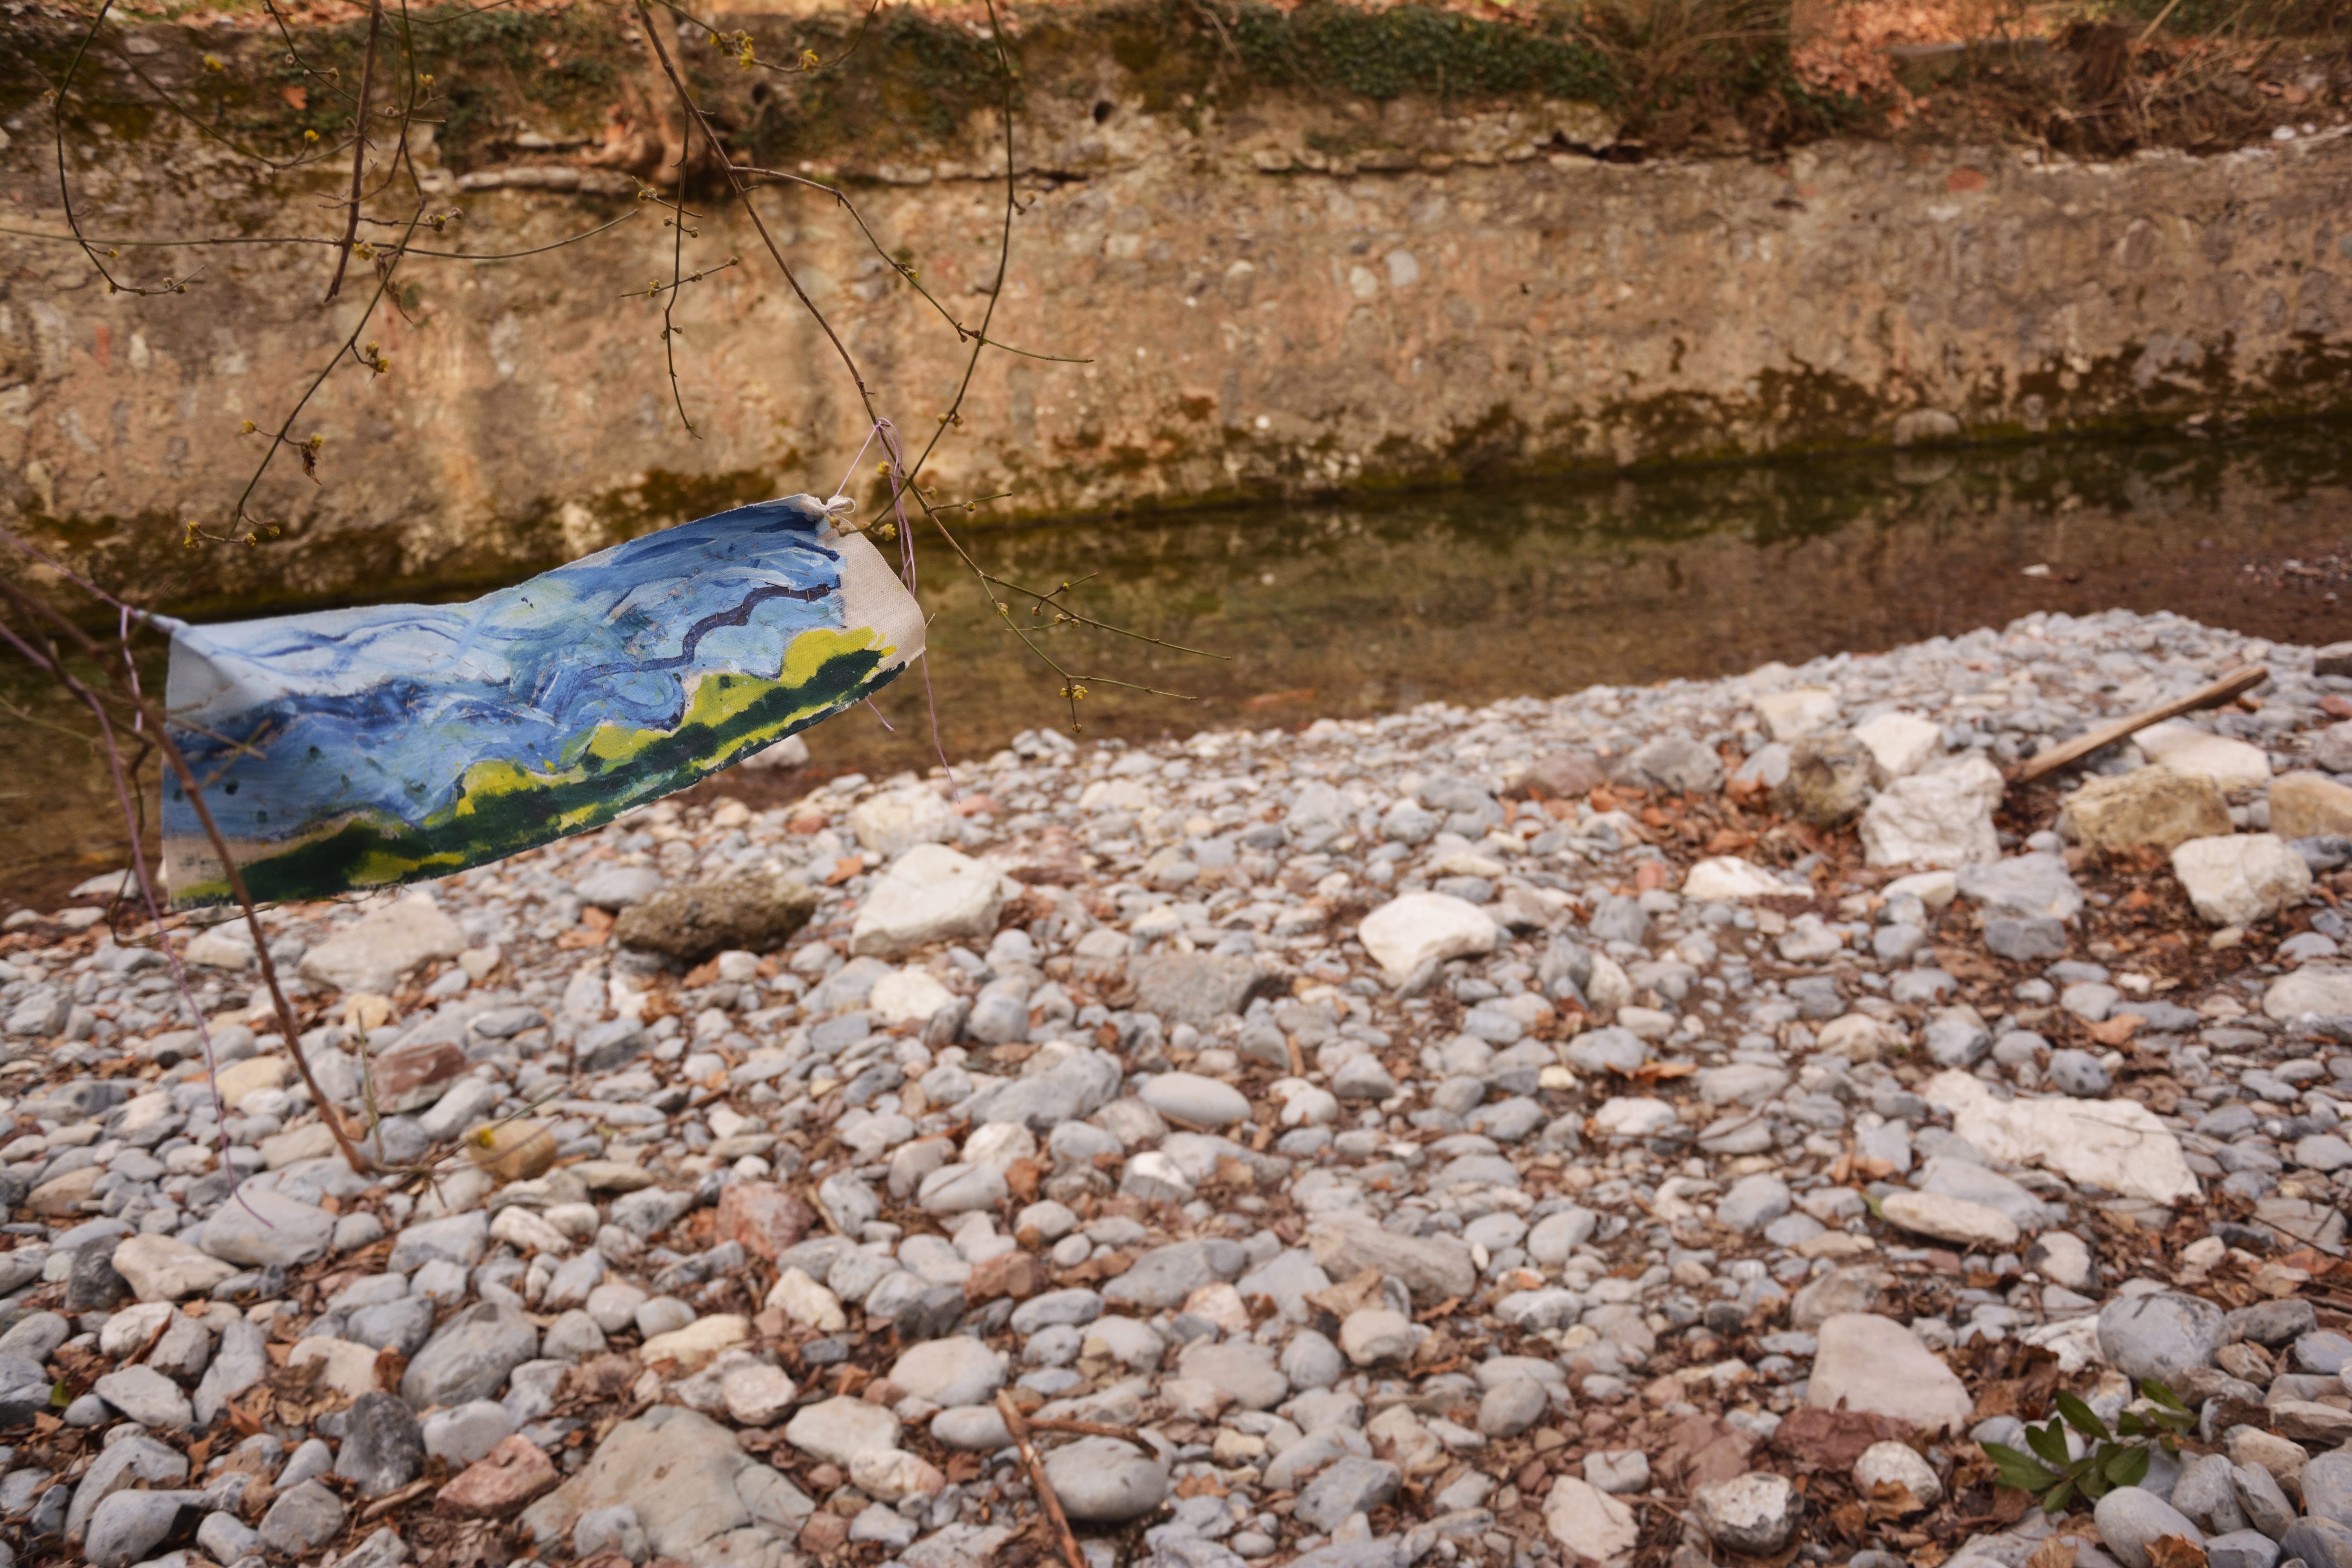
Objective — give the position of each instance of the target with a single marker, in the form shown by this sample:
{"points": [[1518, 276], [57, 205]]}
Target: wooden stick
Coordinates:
{"points": [[2082, 746], [1083, 1428], [1018, 1426]]}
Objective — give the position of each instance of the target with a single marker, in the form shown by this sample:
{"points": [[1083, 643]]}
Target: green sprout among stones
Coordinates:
{"points": [[2110, 1460]]}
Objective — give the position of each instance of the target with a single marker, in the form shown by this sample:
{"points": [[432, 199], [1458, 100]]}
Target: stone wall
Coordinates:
{"points": [[1252, 326]]}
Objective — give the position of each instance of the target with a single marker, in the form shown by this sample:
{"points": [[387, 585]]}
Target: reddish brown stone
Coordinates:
{"points": [[410, 1077], [1832, 1439], [764, 1216], [1013, 1274], [501, 1482]]}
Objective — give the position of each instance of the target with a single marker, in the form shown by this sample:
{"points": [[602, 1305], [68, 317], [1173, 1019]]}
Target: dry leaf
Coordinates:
{"points": [[2115, 1030], [2175, 1552], [2058, 1552]]}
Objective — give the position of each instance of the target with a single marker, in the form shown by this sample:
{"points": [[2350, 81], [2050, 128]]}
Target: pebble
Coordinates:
{"points": [[1101, 1481], [2131, 1519], [2163, 1335], [1755, 1513]]}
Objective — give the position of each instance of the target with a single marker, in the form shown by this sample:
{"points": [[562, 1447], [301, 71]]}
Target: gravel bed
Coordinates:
{"points": [[1678, 1124]]}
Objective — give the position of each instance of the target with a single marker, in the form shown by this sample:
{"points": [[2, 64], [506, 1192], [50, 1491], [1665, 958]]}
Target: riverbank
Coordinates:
{"points": [[1527, 1133]]}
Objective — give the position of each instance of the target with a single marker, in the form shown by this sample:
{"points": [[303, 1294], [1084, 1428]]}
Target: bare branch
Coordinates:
{"points": [[358, 148]]}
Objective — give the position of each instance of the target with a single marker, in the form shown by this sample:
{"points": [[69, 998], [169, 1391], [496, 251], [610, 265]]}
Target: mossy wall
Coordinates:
{"points": [[1285, 256]]}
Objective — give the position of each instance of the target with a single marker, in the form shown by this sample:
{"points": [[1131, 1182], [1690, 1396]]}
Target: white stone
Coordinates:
{"points": [[131, 1328], [2314, 988], [1796, 713], [891, 1474], [1422, 928], [957, 1370], [1751, 1513], [1950, 1219], [1589, 1523], [1372, 1335], [2185, 749], [1903, 743], [1877, 1366], [374, 954], [165, 1269], [1892, 1475], [528, 1232], [1729, 879], [693, 1346], [791, 751], [841, 1428], [1609, 988], [220, 947], [1632, 1117], [2242, 878], [929, 894], [1943, 818], [803, 1300], [909, 996], [349, 1370], [1190, 1097], [756, 1395], [1000, 1145], [1936, 890], [2117, 1144], [1860, 1038], [893, 823]]}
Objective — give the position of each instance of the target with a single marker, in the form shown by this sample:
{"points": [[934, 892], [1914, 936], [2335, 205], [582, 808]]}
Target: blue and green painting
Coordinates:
{"points": [[357, 749]]}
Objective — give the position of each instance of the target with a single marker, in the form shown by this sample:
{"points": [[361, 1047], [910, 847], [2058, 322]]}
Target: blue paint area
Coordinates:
{"points": [[378, 713]]}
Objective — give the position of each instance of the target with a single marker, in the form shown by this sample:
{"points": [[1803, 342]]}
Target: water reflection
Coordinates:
{"points": [[1371, 604]]}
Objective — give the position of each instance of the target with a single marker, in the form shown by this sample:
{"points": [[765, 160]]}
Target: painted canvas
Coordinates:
{"points": [[357, 749]]}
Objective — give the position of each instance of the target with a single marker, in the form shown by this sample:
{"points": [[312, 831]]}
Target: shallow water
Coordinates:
{"points": [[1367, 604]]}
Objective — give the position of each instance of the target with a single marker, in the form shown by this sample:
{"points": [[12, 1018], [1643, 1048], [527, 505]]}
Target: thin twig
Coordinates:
{"points": [[1016, 1425], [359, 151]]}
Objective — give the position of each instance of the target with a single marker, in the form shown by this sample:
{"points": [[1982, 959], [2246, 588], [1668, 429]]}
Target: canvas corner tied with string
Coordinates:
{"points": [[356, 748]]}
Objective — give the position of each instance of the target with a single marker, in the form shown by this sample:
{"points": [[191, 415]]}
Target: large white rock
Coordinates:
{"points": [[1875, 1365], [2314, 988], [1950, 1219], [374, 954], [165, 1269], [895, 822], [929, 894], [2117, 1144], [1799, 711], [1903, 743], [1589, 1523], [1729, 879], [1943, 818], [1406, 932], [841, 1428], [909, 996], [2244, 878], [2185, 749]]}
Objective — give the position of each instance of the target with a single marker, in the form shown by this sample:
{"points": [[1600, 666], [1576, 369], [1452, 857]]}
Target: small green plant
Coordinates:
{"points": [[2117, 1459]]}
